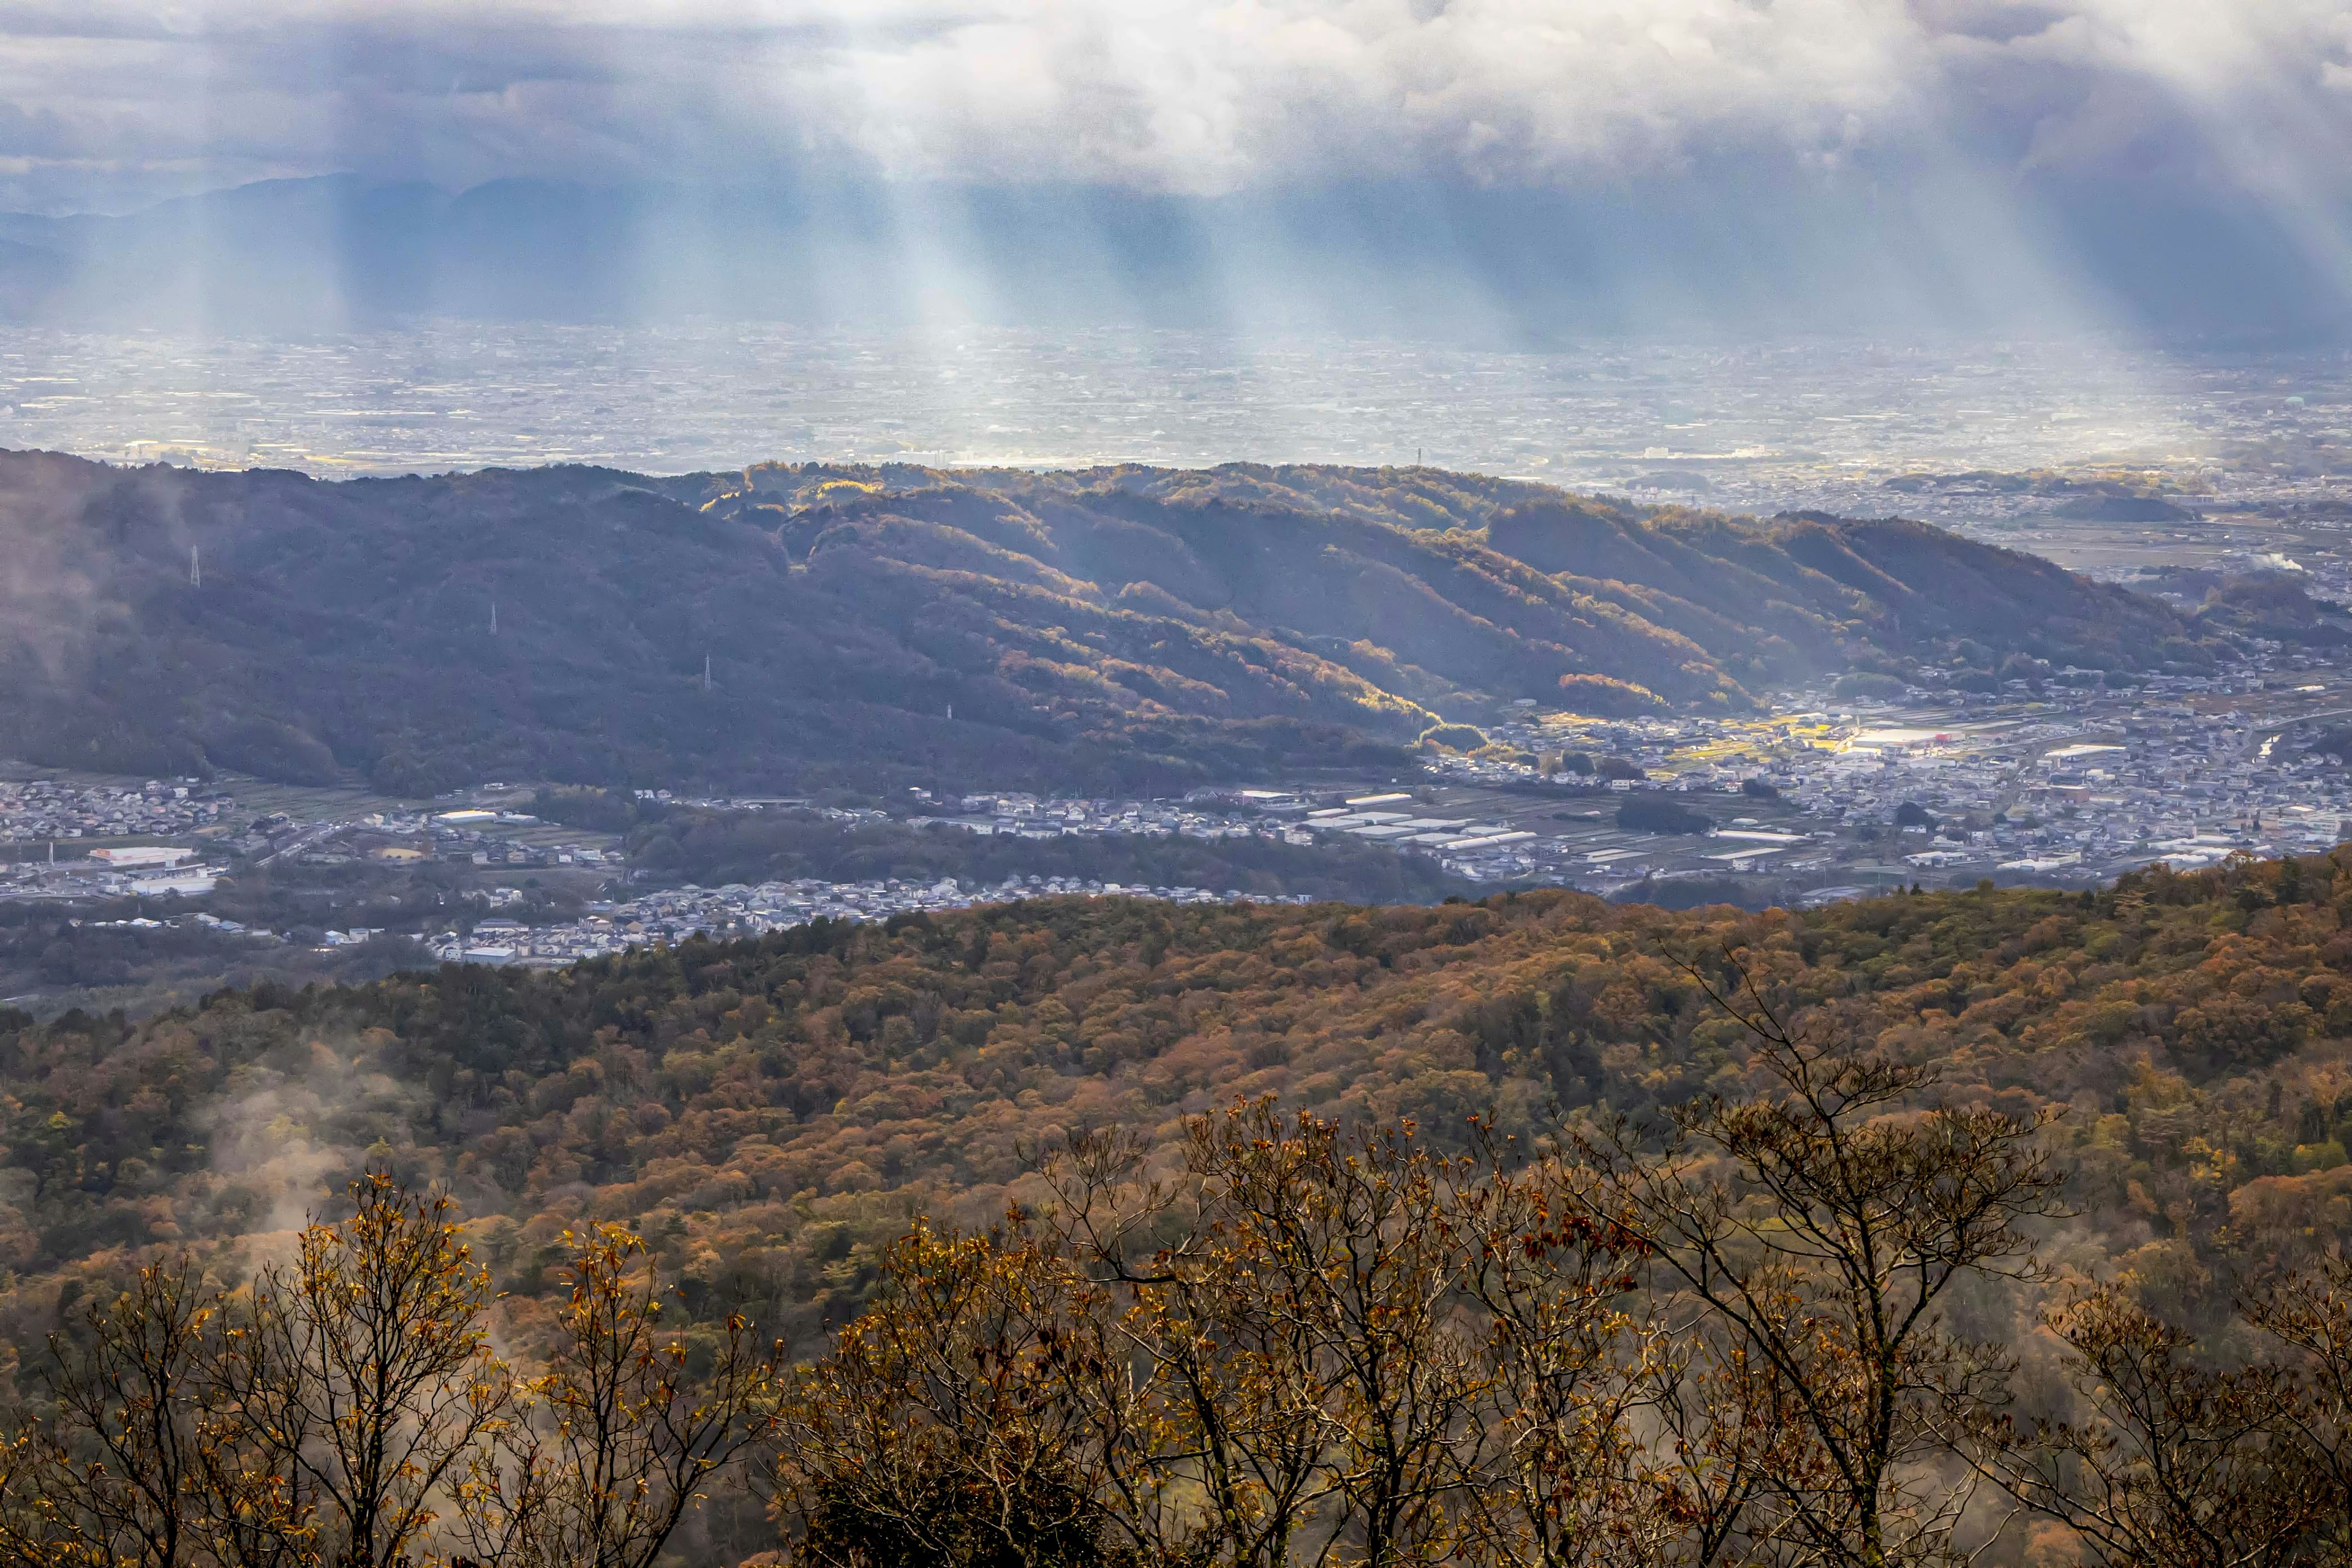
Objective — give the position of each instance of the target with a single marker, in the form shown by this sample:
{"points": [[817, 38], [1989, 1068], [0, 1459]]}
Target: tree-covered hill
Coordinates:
{"points": [[1107, 629], [771, 1113]]}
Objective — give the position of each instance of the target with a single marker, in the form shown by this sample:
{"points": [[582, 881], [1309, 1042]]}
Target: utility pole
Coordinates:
{"points": [[195, 568]]}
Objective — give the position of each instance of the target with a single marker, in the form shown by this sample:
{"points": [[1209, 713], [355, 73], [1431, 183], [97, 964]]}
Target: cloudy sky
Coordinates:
{"points": [[2205, 112], [1191, 96]]}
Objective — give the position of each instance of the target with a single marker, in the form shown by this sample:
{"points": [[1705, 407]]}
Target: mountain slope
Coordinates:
{"points": [[1108, 629], [770, 1112]]}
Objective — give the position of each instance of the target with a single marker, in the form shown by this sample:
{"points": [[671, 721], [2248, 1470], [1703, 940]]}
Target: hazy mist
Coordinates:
{"points": [[1506, 170]]}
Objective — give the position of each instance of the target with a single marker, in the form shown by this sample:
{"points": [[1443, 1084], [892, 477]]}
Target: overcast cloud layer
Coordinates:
{"points": [[2197, 108], [1183, 96]]}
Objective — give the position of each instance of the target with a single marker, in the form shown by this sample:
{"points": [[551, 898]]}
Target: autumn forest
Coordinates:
{"points": [[1533, 1230]]}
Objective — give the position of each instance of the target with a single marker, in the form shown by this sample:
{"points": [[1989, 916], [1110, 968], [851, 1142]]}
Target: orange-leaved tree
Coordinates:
{"points": [[353, 1383], [618, 1437], [965, 1421], [344, 1409], [1306, 1342]]}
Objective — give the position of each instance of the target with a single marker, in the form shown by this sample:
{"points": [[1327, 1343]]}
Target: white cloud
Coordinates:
{"points": [[1192, 96]]}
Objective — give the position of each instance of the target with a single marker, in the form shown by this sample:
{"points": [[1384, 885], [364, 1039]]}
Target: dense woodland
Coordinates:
{"points": [[771, 1116], [1107, 630]]}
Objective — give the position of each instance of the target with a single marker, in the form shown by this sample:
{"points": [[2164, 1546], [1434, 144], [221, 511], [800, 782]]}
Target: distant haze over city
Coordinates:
{"points": [[1501, 171], [1759, 252]]}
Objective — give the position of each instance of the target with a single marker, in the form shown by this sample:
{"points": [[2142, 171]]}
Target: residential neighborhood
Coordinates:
{"points": [[736, 910], [2055, 781]]}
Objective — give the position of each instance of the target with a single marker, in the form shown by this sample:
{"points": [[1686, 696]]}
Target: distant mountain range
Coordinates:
{"points": [[1109, 629], [1520, 266]]}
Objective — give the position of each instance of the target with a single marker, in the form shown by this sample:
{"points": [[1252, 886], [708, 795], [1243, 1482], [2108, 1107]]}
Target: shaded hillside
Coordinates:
{"points": [[1109, 629]]}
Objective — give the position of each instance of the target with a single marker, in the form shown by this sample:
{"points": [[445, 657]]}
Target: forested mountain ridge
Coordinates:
{"points": [[771, 1113], [1105, 629]]}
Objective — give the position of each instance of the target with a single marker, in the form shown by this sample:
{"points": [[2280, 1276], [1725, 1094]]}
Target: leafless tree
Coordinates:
{"points": [[124, 1462], [1822, 1224], [2174, 1463]]}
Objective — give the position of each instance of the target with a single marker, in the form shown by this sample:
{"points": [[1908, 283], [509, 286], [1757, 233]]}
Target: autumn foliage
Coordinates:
{"points": [[346, 1407], [2152, 1077], [1734, 1341]]}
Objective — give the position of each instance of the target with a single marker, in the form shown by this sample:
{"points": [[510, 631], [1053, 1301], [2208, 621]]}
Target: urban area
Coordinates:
{"points": [[1822, 798]]}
